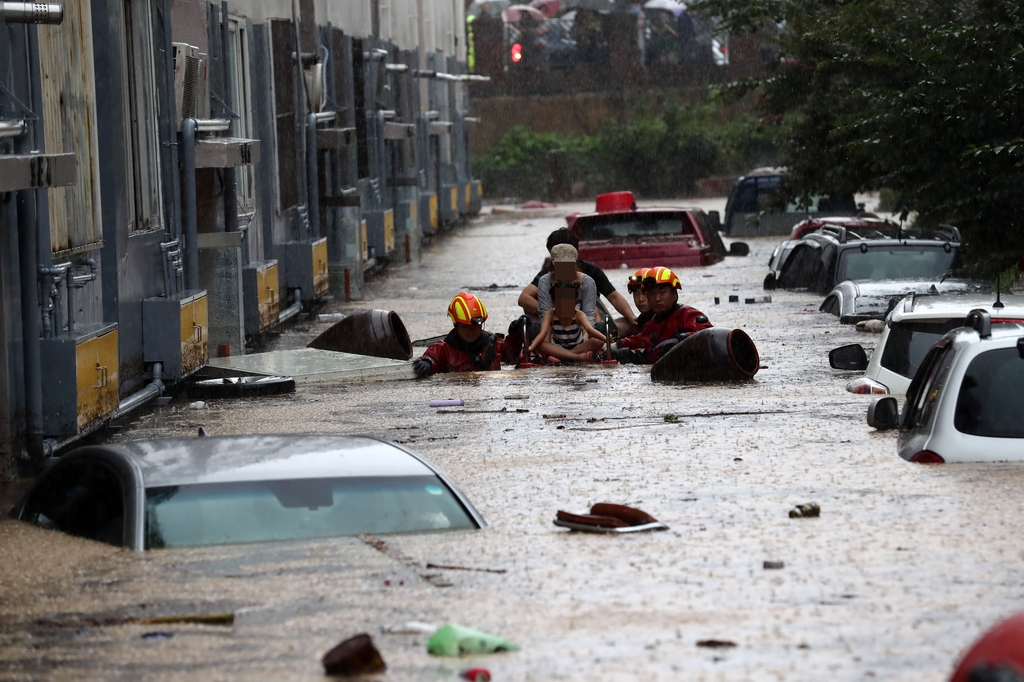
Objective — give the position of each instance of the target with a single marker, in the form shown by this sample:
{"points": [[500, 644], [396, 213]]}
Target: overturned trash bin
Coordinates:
{"points": [[714, 354], [379, 333]]}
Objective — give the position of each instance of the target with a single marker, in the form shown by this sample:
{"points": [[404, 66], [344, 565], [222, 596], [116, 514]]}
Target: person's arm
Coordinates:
{"points": [[545, 329], [587, 327], [588, 298], [432, 361], [620, 303], [528, 301]]}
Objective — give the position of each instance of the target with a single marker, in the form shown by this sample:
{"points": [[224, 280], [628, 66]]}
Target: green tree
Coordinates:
{"points": [[921, 97]]}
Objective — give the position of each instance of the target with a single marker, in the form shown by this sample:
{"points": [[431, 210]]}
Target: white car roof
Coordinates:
{"points": [[944, 307], [184, 461]]}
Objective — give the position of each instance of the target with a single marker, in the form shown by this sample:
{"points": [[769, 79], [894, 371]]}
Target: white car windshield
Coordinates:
{"points": [[894, 263], [258, 511]]}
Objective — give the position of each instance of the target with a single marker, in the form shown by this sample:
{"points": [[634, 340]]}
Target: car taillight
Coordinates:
{"points": [[927, 457], [866, 385]]}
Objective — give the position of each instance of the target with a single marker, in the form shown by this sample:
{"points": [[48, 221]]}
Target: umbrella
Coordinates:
{"points": [[548, 7], [669, 5], [516, 12], [489, 7]]}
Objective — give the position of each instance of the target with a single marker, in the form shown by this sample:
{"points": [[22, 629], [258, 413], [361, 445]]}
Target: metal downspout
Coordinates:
{"points": [[312, 178], [151, 390], [169, 125], [188, 142], [228, 174], [28, 262]]}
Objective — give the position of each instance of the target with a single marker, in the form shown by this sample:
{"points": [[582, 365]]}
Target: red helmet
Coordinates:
{"points": [[466, 308], [660, 275], [636, 280]]}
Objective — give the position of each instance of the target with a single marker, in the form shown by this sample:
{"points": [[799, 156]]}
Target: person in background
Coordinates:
{"points": [[467, 347]]}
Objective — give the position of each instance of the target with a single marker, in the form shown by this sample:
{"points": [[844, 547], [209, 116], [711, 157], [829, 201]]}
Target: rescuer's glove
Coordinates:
{"points": [[422, 367]]}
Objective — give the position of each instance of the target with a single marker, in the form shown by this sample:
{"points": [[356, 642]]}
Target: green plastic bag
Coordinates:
{"points": [[453, 640]]}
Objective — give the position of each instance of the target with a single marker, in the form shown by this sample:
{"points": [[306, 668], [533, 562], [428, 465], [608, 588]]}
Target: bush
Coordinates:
{"points": [[656, 156]]}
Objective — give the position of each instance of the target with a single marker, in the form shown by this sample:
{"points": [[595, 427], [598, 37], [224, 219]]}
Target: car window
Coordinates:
{"points": [[989, 402], [908, 342], [710, 233], [257, 511], [83, 497], [802, 267], [894, 263], [927, 385], [633, 225]]}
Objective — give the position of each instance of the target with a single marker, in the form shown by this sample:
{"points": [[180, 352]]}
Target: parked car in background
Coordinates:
{"points": [[855, 228], [862, 225], [750, 209], [220, 490], [964, 404], [823, 259], [913, 326], [853, 301], [618, 235]]}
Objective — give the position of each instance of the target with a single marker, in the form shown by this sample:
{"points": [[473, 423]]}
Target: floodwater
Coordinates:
{"points": [[905, 567]]}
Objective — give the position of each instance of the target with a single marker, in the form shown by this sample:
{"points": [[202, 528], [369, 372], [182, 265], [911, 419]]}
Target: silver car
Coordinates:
{"points": [[853, 301], [218, 490], [964, 404], [911, 328]]}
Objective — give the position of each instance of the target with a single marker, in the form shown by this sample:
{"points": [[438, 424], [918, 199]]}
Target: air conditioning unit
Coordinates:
{"points": [[191, 82]]}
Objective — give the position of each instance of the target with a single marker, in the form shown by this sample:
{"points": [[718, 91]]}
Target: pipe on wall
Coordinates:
{"points": [[312, 177], [154, 389], [292, 310], [32, 12], [188, 158]]}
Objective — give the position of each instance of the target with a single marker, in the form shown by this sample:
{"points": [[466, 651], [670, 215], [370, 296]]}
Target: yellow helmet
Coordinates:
{"points": [[661, 275], [636, 280], [466, 308]]}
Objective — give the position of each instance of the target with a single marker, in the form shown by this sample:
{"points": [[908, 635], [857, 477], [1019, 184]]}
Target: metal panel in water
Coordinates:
{"points": [[69, 113]]}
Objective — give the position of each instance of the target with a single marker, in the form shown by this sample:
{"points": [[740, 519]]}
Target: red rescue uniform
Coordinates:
{"points": [[488, 352], [681, 319]]}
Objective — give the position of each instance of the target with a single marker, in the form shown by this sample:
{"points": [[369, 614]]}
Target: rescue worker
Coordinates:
{"points": [[635, 286], [467, 347], [671, 323]]}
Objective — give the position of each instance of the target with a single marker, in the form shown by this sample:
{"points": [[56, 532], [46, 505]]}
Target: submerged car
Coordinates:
{"points": [[863, 225], [915, 323], [964, 404], [823, 259], [618, 235], [220, 490], [854, 301], [749, 211]]}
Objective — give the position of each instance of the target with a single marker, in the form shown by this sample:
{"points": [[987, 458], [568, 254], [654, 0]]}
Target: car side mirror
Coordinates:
{"points": [[715, 219], [770, 282], [848, 357], [739, 249], [884, 413]]}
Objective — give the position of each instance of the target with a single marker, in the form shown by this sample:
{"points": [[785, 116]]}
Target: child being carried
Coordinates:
{"points": [[567, 299]]}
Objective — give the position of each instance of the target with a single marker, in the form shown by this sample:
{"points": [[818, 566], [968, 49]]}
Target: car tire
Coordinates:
{"points": [[241, 387]]}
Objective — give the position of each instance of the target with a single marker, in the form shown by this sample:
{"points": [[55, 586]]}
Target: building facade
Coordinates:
{"points": [[179, 177]]}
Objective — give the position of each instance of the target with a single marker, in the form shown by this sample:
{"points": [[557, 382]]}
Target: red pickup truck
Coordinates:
{"points": [[620, 235]]}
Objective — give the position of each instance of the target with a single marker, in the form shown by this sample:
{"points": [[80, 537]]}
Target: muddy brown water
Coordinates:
{"points": [[906, 565]]}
